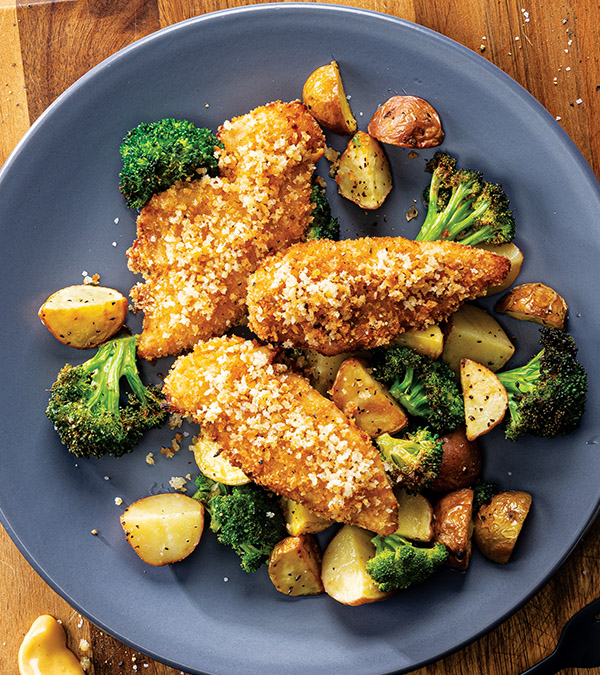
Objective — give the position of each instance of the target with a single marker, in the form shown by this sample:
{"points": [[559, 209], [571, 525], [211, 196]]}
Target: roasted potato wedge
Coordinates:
{"points": [[461, 462], [321, 369], [323, 94], [84, 316], [343, 572], [407, 121], [427, 341], [363, 172], [163, 528], [453, 526], [535, 302], [367, 401], [473, 333], [300, 520], [295, 566], [214, 465], [415, 516], [515, 255], [484, 396], [499, 523]]}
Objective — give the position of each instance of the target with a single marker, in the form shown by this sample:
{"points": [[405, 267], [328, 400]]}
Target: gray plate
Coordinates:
{"points": [[59, 203]]}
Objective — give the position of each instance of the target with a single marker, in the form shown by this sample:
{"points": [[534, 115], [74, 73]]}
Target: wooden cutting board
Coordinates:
{"points": [[548, 46]]}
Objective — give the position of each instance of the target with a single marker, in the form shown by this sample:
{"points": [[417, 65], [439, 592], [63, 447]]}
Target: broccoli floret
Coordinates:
{"points": [[546, 396], [483, 492], [323, 224], [462, 207], [424, 387], [414, 459], [158, 154], [85, 405], [398, 564], [245, 517]]}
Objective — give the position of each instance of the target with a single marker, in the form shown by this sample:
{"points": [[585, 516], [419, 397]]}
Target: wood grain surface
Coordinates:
{"points": [[548, 46]]}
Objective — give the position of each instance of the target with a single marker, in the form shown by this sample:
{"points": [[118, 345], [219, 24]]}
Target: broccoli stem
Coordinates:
{"points": [[112, 361], [411, 393], [523, 379], [437, 224]]}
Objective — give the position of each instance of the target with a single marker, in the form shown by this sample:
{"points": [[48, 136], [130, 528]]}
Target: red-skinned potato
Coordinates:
{"points": [[461, 462], [407, 121], [499, 523], [453, 526]]}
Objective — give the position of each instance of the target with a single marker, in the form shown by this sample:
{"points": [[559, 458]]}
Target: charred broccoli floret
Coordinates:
{"points": [[463, 207], [245, 517], [157, 154], [424, 387], [85, 408], [546, 396], [323, 224], [413, 460], [483, 492], [399, 564]]}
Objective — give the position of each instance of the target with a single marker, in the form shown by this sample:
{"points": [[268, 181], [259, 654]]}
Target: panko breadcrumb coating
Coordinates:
{"points": [[342, 296], [282, 433], [198, 241]]}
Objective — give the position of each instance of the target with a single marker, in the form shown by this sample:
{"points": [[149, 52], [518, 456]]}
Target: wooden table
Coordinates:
{"points": [[548, 46]]}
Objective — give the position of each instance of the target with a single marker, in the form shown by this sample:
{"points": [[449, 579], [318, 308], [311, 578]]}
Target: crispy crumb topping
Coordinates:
{"points": [[341, 296], [281, 432]]}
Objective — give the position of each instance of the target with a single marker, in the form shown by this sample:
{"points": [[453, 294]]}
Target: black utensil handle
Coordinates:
{"points": [[549, 666]]}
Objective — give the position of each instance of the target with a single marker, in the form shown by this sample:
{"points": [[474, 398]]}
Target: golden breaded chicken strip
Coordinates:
{"points": [[341, 296], [198, 241], [281, 432]]}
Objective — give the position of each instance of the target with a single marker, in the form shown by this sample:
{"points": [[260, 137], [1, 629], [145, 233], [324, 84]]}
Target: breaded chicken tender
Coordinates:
{"points": [[198, 241], [281, 432], [342, 296]]}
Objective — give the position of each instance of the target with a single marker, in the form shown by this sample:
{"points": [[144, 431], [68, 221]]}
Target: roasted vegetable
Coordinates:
{"points": [[84, 403]]}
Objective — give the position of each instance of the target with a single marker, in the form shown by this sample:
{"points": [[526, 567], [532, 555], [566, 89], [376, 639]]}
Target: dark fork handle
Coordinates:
{"points": [[551, 665]]}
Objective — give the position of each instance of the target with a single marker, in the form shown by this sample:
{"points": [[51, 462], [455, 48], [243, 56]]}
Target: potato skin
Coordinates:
{"points": [[84, 316], [499, 523], [461, 462], [407, 121], [453, 526], [323, 94], [535, 302], [295, 566]]}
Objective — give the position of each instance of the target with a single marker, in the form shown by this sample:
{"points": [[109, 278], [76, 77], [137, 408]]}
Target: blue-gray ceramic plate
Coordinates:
{"points": [[63, 216]]}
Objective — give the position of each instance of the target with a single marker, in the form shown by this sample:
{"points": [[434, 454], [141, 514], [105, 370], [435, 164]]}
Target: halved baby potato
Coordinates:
{"points": [[473, 333], [425, 341], [300, 520], [461, 462], [84, 316], [324, 96], [363, 172], [214, 465], [407, 121], [164, 528], [499, 523], [344, 573], [484, 396], [453, 526], [295, 566], [515, 256], [415, 516], [535, 302], [358, 395]]}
